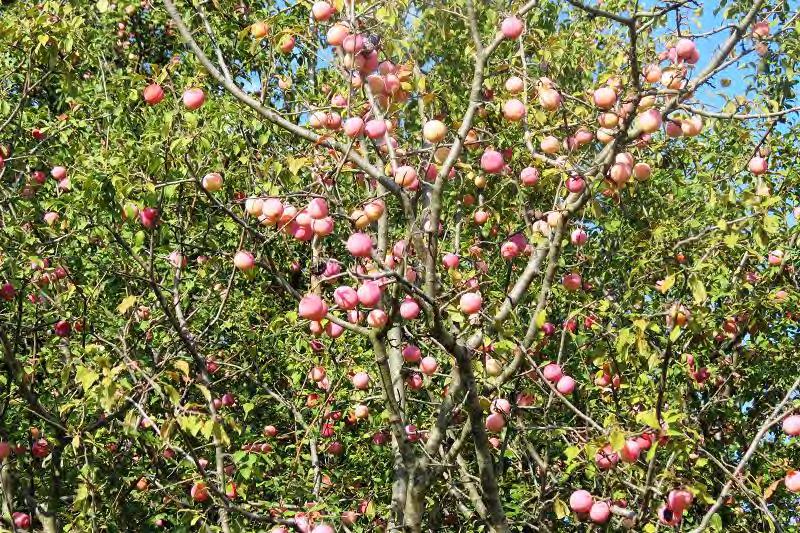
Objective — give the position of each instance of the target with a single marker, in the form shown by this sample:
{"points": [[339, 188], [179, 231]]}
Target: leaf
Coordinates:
{"points": [[183, 366], [43, 39], [771, 489], [102, 6], [296, 163], [126, 304], [560, 508], [698, 290], [86, 377], [247, 408], [617, 440], [205, 391], [648, 418], [716, 522], [572, 452], [667, 283]]}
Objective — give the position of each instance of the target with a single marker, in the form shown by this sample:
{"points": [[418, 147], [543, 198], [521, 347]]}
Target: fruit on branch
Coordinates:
{"points": [[199, 492], [409, 308], [244, 261], [369, 294], [761, 29], [492, 161], [549, 99], [359, 245], [346, 297], [411, 353], [149, 217], [21, 520], [511, 27], [529, 176], [212, 182], [513, 110], [62, 328], [58, 172], [605, 97], [775, 257], [606, 458], [495, 422], [552, 372], [581, 501], [50, 218], [630, 451], [514, 85], [259, 30], [650, 120], [406, 176], [377, 318], [434, 131], [572, 281], [550, 145], [600, 512], [193, 98], [578, 237], [5, 449], [470, 303], [792, 481], [286, 43], [575, 184], [322, 11], [361, 380], [679, 500], [153, 94], [40, 448], [641, 171], [428, 365], [312, 307], [758, 166], [354, 127], [791, 425], [565, 385]]}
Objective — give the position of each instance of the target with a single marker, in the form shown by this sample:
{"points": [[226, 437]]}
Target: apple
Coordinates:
{"points": [[21, 520], [495, 422], [791, 425], [572, 281], [193, 98], [565, 385], [5, 449], [40, 448], [359, 245], [59, 173], [212, 182], [552, 372], [199, 492], [428, 365], [258, 30], [606, 458], [792, 481], [492, 161], [312, 307], [600, 512], [149, 217], [605, 97], [470, 303], [758, 165], [62, 328], [581, 501], [409, 308], [361, 380], [322, 11], [630, 451], [549, 99], [434, 131], [411, 353], [153, 94], [513, 110], [244, 260], [511, 27]]}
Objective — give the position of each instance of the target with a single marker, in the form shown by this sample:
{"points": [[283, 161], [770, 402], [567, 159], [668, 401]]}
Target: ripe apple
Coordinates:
{"points": [[153, 94]]}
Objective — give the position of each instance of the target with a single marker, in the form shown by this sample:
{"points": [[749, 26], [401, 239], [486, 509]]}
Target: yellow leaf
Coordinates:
{"points": [[126, 304], [183, 366], [296, 163], [667, 283]]}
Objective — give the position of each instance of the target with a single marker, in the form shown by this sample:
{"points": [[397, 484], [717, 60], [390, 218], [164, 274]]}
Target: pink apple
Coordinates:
{"points": [[792, 481], [579, 237], [409, 308], [511, 27], [575, 184], [572, 281], [600, 512], [501, 405], [605, 97], [513, 110], [470, 303], [153, 94], [244, 260], [193, 98], [581, 501], [450, 261], [377, 318], [428, 365], [492, 161], [354, 127], [565, 385], [312, 307], [529, 176], [345, 297], [758, 165], [321, 11], [58, 172], [411, 353], [361, 380], [359, 245], [552, 372], [212, 182], [369, 294], [630, 451], [791, 425]]}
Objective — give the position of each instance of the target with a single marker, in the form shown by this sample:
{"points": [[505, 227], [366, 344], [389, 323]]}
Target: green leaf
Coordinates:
{"points": [[648, 418], [572, 452], [86, 377], [617, 440], [698, 290], [102, 6]]}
